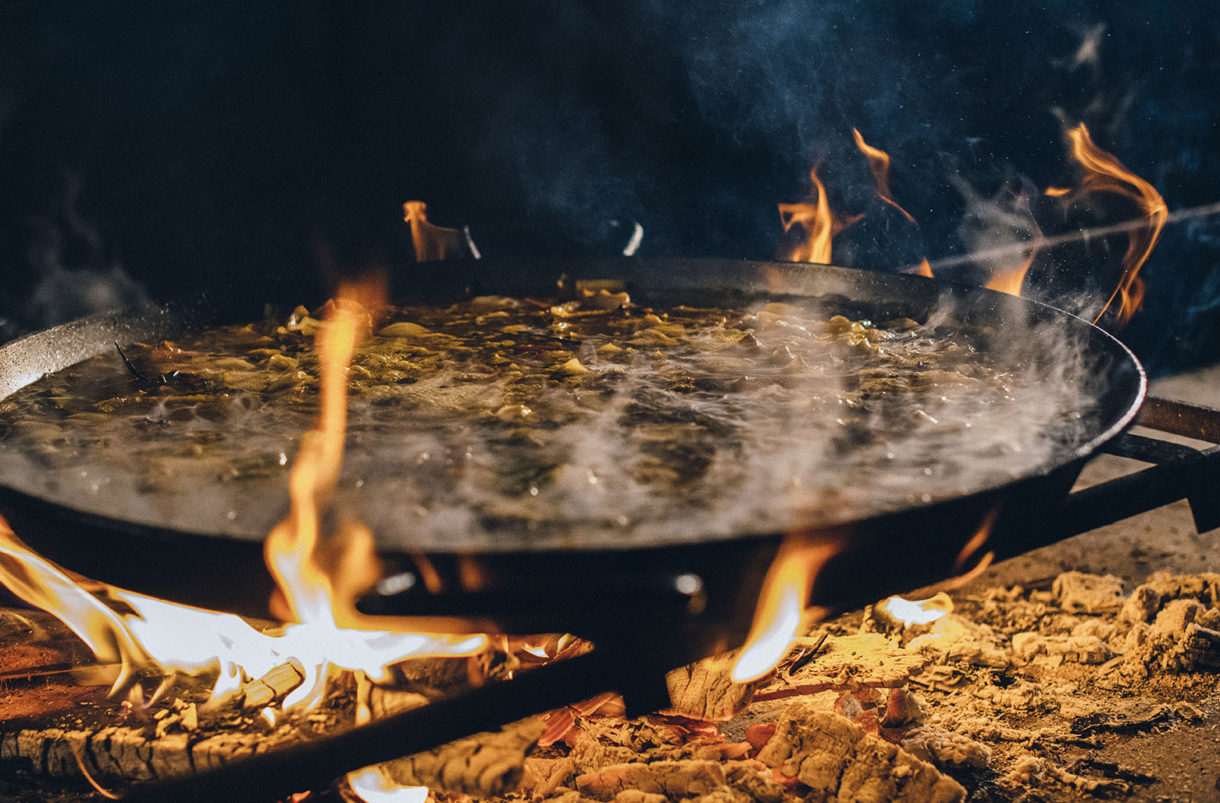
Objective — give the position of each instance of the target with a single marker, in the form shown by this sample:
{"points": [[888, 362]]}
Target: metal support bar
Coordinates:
{"points": [[1187, 420], [532, 609], [1194, 477], [1148, 450]]}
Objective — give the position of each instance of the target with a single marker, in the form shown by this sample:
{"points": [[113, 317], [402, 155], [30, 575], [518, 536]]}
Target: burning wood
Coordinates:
{"points": [[484, 764], [897, 714], [273, 686], [706, 691], [867, 660]]}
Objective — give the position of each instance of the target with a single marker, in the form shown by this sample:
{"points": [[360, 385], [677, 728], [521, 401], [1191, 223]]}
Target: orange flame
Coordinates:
{"points": [[1012, 280], [291, 546], [319, 582], [925, 269], [430, 241], [1013, 214], [1104, 173], [879, 166], [782, 605], [819, 223]]}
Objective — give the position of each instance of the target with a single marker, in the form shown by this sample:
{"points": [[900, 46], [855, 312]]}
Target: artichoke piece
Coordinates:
{"points": [[404, 329]]}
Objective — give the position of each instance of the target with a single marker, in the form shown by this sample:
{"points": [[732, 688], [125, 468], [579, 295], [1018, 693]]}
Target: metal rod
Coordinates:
{"points": [[276, 774], [1148, 450], [1136, 493], [1039, 243], [1187, 420]]}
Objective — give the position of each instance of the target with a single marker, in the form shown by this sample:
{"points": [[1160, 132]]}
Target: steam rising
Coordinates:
{"points": [[73, 274]]}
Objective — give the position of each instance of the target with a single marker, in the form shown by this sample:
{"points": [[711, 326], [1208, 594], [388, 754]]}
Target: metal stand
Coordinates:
{"points": [[1177, 472]]}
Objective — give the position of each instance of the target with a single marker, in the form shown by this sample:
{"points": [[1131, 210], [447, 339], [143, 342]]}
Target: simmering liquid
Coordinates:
{"points": [[501, 422]]}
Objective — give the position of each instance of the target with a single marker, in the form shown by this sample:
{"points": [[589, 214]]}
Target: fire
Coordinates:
{"points": [[879, 166], [918, 612], [782, 606], [45, 586], [371, 785], [819, 223], [1006, 217], [169, 639], [430, 241], [318, 580], [293, 549], [972, 561], [1104, 173], [1011, 280]]}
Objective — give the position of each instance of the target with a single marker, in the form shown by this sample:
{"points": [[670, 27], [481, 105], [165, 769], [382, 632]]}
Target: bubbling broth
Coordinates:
{"points": [[507, 422]]}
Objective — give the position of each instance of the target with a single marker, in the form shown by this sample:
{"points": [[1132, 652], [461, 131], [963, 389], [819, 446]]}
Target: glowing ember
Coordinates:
{"points": [[782, 607], [371, 785], [918, 612], [879, 166], [1104, 173]]}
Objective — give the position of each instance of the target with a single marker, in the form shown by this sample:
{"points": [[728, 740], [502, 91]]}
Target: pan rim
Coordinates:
{"points": [[165, 318]]}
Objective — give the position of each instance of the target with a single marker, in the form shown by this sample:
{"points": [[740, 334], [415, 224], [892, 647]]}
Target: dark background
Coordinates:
{"points": [[167, 147]]}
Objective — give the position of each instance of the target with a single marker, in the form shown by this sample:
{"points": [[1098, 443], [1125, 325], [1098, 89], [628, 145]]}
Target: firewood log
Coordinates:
{"points": [[832, 756], [704, 690], [484, 764]]}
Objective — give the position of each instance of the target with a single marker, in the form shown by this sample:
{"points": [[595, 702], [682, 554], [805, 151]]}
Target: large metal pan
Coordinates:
{"points": [[874, 556]]}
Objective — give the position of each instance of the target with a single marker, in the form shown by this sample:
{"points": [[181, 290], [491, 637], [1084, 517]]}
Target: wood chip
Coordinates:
{"points": [[675, 779], [275, 685], [848, 662], [490, 763], [704, 690]]}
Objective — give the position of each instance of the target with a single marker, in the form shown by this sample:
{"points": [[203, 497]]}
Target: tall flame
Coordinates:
{"points": [[318, 580], [879, 166], [782, 606], [291, 546], [819, 223], [431, 241], [1011, 280], [1105, 173]]}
